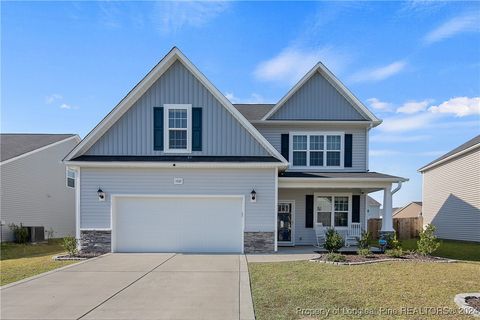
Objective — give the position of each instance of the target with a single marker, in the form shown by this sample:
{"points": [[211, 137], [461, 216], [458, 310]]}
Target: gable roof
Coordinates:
{"points": [[411, 210], [13, 145], [128, 101], [467, 146], [372, 202], [254, 111], [330, 77]]}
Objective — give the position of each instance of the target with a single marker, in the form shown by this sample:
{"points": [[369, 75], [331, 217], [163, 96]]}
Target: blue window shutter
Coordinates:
{"points": [[309, 211], [158, 128], [285, 145], [355, 208], [348, 151], [196, 129]]}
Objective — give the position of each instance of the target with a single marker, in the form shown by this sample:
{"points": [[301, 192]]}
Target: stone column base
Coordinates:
{"points": [[259, 242], [95, 241]]}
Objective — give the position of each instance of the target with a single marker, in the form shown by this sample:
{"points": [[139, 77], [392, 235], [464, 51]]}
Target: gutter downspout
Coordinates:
{"points": [[399, 186]]}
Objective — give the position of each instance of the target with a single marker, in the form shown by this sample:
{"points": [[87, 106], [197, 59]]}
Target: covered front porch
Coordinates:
{"points": [[309, 202]]}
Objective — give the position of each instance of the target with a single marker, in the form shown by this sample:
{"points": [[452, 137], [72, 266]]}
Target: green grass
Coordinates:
{"points": [[20, 261], [459, 250], [280, 288]]}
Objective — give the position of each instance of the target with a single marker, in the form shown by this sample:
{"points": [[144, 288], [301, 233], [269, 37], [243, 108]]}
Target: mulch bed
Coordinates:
{"points": [[78, 256], [473, 302], [353, 258]]}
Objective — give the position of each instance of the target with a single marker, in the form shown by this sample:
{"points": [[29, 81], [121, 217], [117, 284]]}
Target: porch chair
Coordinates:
{"points": [[320, 235], [353, 235]]}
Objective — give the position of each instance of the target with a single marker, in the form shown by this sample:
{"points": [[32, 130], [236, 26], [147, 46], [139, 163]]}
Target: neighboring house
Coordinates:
{"points": [[451, 193], [411, 210], [34, 181], [373, 208], [176, 167]]}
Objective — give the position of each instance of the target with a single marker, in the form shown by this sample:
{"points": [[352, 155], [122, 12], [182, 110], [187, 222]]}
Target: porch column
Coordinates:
{"points": [[387, 219]]}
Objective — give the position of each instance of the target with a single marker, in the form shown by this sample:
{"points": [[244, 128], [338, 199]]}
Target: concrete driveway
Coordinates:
{"points": [[136, 286]]}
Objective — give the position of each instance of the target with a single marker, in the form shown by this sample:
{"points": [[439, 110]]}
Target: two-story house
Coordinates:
{"points": [[175, 167]]}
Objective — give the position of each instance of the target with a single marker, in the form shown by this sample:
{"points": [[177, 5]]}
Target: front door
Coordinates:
{"points": [[285, 221]]}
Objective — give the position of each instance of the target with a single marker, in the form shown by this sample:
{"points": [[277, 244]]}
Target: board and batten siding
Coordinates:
{"points": [[259, 216], [222, 134], [306, 236], [317, 99], [34, 192], [273, 133], [451, 197]]}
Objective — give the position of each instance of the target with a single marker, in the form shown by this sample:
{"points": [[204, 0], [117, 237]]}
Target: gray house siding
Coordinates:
{"points": [[306, 236], [451, 198], [259, 216], [273, 132], [317, 99], [222, 134], [34, 192]]}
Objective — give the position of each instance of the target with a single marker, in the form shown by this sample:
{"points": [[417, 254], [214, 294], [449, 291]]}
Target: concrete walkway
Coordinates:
{"points": [[136, 286], [298, 253]]}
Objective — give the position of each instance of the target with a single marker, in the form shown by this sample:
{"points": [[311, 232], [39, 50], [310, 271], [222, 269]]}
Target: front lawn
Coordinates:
{"points": [[281, 289], [20, 261], [459, 250]]}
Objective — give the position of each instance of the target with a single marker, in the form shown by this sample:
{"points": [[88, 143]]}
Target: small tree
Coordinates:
{"points": [[392, 241], [20, 233], [70, 244], [333, 240], [364, 241], [428, 242]]}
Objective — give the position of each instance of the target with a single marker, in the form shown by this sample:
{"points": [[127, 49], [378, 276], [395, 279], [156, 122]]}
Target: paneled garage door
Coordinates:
{"points": [[177, 224]]}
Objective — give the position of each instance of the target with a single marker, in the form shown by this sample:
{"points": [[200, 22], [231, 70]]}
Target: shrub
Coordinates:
{"points": [[395, 253], [50, 234], [20, 233], [335, 257], [428, 242], [364, 241], [333, 240], [70, 244], [364, 252], [392, 241]]}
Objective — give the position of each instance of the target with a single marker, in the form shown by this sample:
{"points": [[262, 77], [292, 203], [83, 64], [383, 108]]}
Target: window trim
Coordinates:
{"points": [[67, 171], [332, 213], [166, 130], [318, 133]]}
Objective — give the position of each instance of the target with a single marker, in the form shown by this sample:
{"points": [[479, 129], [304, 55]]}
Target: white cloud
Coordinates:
{"points": [[67, 106], [407, 123], [379, 105], [292, 63], [414, 106], [380, 73], [52, 98], [171, 16], [459, 106], [254, 98], [399, 138], [391, 152], [469, 22], [383, 153]]}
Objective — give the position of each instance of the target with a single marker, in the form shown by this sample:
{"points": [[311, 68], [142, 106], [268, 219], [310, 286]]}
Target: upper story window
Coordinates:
{"points": [[315, 149], [178, 128], [70, 175]]}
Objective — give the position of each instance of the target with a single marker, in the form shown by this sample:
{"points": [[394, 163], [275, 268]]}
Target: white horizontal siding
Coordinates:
{"points": [[306, 236], [273, 132], [451, 198], [34, 192], [260, 216]]}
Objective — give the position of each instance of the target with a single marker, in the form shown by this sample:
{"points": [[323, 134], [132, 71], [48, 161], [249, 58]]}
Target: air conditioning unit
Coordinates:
{"points": [[36, 234]]}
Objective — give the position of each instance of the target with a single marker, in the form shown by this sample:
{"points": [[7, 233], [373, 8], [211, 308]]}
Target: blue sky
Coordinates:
{"points": [[416, 64]]}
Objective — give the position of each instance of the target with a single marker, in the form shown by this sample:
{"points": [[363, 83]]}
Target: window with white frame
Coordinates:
{"points": [[70, 175], [316, 149], [332, 210], [177, 128]]}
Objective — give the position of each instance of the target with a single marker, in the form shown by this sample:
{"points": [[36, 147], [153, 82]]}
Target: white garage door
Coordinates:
{"points": [[177, 224]]}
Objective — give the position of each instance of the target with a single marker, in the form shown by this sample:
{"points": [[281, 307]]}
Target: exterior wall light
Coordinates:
{"points": [[101, 194], [253, 196]]}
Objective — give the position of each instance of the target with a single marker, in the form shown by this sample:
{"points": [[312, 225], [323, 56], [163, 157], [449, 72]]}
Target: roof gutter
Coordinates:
{"points": [[140, 164]]}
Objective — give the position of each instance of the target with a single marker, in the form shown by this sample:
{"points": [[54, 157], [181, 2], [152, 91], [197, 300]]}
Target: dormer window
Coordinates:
{"points": [[316, 150], [178, 128]]}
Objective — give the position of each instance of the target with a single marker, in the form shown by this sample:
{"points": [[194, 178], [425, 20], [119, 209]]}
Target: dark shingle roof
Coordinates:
{"points": [[330, 175], [253, 111], [15, 144], [466, 145]]}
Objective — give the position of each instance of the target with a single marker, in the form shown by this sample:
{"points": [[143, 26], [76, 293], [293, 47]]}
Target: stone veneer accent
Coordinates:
{"points": [[259, 242], [95, 241]]}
